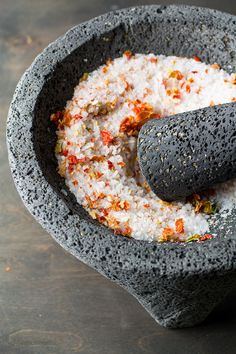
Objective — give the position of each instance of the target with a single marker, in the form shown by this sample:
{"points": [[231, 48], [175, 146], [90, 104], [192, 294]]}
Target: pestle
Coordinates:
{"points": [[188, 152]]}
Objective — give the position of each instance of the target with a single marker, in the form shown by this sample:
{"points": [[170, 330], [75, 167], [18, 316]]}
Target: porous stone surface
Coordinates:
{"points": [[178, 284], [189, 152]]}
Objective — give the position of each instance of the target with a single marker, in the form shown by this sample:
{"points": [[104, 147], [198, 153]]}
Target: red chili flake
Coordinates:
{"points": [[179, 226], [98, 174], [206, 237], [65, 153], [107, 184], [167, 235], [143, 112], [194, 71], [191, 80], [125, 232], [206, 71], [77, 116], [146, 206], [128, 54], [233, 99], [75, 183], [115, 205], [66, 119], [128, 86], [101, 195], [105, 211], [195, 57], [72, 159], [55, 117], [124, 204], [86, 169], [128, 125], [70, 168], [109, 61], [96, 158], [182, 85], [176, 74], [93, 140], [110, 165], [106, 136], [105, 69], [69, 143], [215, 66], [139, 106], [82, 160], [153, 60], [100, 218], [90, 202], [121, 164], [133, 102], [167, 232], [165, 83], [177, 94], [188, 89], [112, 222], [126, 121]]}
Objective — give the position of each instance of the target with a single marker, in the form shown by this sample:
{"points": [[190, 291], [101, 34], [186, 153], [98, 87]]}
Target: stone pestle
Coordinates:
{"points": [[188, 152]]}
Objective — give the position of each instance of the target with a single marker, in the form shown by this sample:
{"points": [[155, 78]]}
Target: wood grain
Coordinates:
{"points": [[49, 302]]}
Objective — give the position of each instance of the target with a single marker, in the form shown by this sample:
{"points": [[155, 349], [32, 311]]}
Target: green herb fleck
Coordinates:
{"points": [[58, 148], [194, 237], [84, 77]]}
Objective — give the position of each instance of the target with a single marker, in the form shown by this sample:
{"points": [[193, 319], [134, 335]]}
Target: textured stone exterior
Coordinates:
{"points": [[189, 152], [178, 285]]}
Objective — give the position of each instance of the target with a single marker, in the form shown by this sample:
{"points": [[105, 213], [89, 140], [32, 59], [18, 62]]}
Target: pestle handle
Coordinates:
{"points": [[188, 152]]}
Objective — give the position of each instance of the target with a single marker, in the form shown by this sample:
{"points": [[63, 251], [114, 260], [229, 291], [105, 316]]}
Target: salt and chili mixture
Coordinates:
{"points": [[97, 143]]}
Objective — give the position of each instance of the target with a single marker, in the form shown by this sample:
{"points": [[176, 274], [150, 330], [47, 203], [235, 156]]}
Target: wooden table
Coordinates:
{"points": [[50, 302]]}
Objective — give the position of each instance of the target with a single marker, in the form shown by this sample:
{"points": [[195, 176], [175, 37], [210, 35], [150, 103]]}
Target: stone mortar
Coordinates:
{"points": [[177, 284]]}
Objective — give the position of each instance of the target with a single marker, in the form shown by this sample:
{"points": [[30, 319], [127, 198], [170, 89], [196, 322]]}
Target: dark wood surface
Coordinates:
{"points": [[50, 302]]}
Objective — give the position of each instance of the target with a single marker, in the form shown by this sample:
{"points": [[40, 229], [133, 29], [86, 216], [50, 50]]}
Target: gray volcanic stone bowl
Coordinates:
{"points": [[178, 284]]}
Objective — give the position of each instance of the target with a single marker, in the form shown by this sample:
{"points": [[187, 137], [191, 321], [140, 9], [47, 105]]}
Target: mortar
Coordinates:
{"points": [[178, 284]]}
